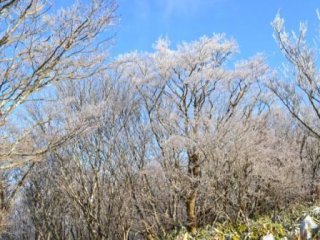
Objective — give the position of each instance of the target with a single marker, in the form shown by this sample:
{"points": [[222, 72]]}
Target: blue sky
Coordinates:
{"points": [[142, 22], [248, 21]]}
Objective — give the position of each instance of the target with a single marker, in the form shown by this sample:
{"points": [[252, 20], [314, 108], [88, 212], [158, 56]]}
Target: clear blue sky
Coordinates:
{"points": [[142, 22]]}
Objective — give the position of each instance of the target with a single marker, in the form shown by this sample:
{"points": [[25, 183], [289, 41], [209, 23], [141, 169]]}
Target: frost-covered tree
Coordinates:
{"points": [[298, 89], [39, 46], [189, 93]]}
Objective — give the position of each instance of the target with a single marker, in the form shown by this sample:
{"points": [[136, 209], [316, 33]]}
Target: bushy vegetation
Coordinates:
{"points": [[283, 225]]}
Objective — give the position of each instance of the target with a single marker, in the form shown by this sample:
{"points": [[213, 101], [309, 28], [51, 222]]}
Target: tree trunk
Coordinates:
{"points": [[191, 213], [2, 206], [194, 172]]}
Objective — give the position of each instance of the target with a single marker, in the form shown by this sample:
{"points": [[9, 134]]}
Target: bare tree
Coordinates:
{"points": [[88, 176], [188, 94], [298, 90], [39, 46]]}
